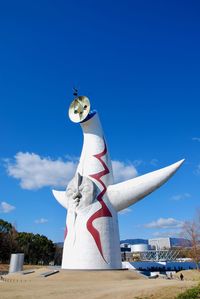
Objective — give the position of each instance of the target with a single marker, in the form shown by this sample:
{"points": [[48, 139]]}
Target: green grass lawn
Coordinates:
{"points": [[192, 293]]}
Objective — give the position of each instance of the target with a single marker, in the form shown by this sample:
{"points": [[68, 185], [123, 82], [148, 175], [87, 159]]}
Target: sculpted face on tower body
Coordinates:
{"points": [[92, 200], [80, 193]]}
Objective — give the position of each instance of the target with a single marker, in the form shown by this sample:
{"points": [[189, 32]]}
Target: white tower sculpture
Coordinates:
{"points": [[92, 199]]}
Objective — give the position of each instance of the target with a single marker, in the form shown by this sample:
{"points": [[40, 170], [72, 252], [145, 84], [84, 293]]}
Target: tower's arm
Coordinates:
{"points": [[60, 197], [124, 194]]}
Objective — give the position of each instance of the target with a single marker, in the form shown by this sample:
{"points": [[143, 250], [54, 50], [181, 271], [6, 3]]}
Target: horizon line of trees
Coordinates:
{"points": [[37, 249]]}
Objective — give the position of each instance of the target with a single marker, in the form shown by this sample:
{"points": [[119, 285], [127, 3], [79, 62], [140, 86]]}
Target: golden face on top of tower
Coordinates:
{"points": [[79, 109]]}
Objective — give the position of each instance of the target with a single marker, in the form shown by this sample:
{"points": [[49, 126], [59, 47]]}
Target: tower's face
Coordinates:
{"points": [[80, 193]]}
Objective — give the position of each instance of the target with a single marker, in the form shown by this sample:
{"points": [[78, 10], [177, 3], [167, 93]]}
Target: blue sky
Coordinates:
{"points": [[139, 63]]}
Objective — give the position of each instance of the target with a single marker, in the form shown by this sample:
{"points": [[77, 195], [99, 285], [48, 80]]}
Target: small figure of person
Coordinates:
{"points": [[181, 276], [171, 276]]}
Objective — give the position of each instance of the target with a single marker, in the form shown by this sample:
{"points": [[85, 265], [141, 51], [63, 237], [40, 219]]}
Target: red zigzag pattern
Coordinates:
{"points": [[104, 211]]}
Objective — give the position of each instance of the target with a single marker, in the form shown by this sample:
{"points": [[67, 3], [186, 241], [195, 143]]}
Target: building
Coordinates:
{"points": [[160, 243], [168, 243]]}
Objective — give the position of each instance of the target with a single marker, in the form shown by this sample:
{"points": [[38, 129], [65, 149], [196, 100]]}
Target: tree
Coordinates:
{"points": [[24, 244], [37, 249], [8, 240], [5, 227], [58, 255], [191, 230]]}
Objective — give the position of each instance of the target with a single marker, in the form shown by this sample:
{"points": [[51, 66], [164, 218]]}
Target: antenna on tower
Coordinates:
{"points": [[75, 93]]}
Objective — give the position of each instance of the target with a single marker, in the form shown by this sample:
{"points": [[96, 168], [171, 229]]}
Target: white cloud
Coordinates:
{"points": [[122, 171], [6, 207], [35, 172], [181, 196], [197, 171], [196, 139], [166, 234], [138, 163], [165, 223], [125, 211], [41, 221], [154, 162]]}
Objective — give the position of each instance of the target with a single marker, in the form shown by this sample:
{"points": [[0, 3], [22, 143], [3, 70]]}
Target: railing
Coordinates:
{"points": [[159, 255]]}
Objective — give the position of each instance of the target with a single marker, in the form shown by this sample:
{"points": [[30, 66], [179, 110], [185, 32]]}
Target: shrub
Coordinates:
{"points": [[192, 293]]}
